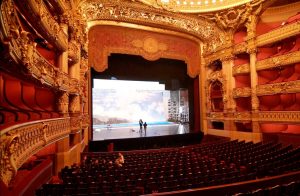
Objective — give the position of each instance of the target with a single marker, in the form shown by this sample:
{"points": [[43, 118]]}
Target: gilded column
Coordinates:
{"points": [[63, 57], [228, 85], [252, 49], [63, 103], [203, 97], [74, 69]]}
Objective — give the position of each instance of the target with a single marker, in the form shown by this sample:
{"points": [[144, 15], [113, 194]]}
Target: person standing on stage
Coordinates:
{"points": [[141, 125], [145, 127]]}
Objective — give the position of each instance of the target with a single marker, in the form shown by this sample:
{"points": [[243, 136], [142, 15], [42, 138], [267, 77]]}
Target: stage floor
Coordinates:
{"points": [[134, 131]]}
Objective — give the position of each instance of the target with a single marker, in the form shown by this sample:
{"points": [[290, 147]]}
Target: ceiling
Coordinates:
{"points": [[194, 6]]}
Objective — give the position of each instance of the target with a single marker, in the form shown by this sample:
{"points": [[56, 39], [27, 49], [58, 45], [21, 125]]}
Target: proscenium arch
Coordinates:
{"points": [[107, 37]]}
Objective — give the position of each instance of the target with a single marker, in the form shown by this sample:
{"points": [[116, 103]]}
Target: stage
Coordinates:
{"points": [[131, 138], [114, 132]]}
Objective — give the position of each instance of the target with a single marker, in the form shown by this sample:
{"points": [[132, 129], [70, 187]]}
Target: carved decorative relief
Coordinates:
{"points": [[75, 123], [213, 77], [39, 16], [289, 116], [74, 104], [73, 52], [241, 92], [215, 115], [150, 45], [63, 102], [140, 14], [74, 87], [62, 81], [19, 142], [242, 116], [85, 120], [282, 60], [283, 87], [241, 69], [240, 48], [254, 102], [233, 18], [281, 33]]}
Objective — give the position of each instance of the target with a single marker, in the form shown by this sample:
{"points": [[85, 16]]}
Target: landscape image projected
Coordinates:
{"points": [[117, 102], [125, 102]]}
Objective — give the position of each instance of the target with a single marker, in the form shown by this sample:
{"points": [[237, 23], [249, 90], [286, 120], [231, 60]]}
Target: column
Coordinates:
{"points": [[228, 85], [63, 103], [252, 49], [63, 57]]}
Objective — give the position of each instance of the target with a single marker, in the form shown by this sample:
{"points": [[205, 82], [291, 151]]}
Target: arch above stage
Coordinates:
{"points": [[151, 44]]}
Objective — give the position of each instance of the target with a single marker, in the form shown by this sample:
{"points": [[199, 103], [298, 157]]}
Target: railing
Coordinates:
{"points": [[19, 142]]}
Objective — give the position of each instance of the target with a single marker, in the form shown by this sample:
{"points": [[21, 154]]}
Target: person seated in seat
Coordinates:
{"points": [[120, 160]]}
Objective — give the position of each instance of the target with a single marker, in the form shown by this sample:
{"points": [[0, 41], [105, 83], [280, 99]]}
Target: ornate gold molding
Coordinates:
{"points": [[278, 34], [74, 104], [19, 142], [242, 116], [286, 59], [288, 116], [75, 123], [39, 16], [59, 5], [280, 13], [193, 7], [233, 18], [215, 115], [123, 11], [73, 52], [149, 45], [240, 48], [284, 87], [241, 69], [74, 87], [241, 92], [63, 102]]}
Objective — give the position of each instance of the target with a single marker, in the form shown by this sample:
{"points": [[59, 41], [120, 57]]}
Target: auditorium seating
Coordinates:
{"points": [[174, 169], [289, 189]]}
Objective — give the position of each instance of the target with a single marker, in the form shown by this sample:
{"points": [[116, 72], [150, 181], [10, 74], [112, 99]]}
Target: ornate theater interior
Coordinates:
{"points": [[239, 60]]}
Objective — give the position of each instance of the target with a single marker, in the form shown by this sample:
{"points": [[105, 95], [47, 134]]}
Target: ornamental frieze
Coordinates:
{"points": [[75, 123], [282, 60], [289, 116], [85, 120], [141, 14], [150, 45], [74, 86], [216, 75], [277, 88], [233, 18], [241, 92], [73, 52], [278, 34], [18, 143], [241, 69], [215, 115], [240, 48], [38, 15], [242, 116], [74, 103]]}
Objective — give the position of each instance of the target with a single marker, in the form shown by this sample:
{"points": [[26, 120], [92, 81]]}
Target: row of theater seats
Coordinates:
{"points": [[23, 102], [175, 169], [290, 189]]}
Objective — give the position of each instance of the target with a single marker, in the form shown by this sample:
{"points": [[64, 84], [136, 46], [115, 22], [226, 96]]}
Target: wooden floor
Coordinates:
{"points": [[135, 132]]}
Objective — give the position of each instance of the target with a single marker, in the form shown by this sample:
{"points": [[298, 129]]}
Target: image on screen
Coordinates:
{"points": [[124, 102]]}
